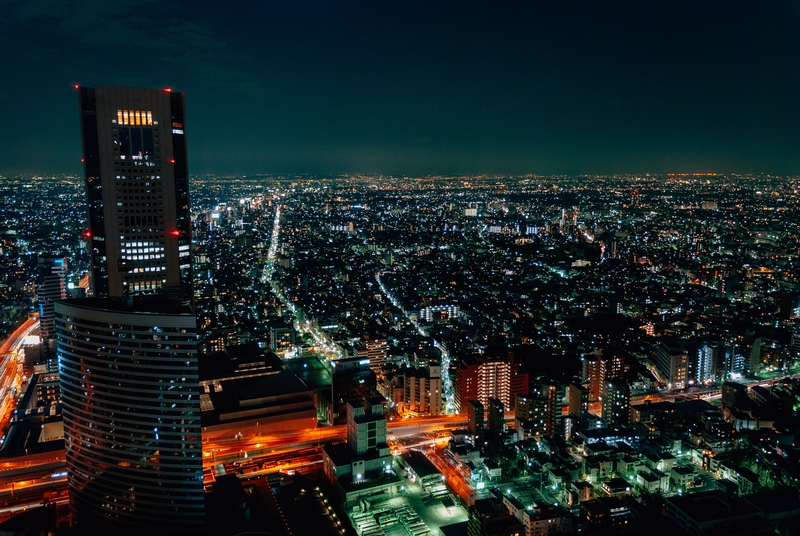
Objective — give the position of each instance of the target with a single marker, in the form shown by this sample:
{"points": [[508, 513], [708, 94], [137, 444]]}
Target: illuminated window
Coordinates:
{"points": [[135, 117]]}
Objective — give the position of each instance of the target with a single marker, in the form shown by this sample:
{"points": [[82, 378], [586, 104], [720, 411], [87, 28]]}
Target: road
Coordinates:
{"points": [[28, 487], [330, 349], [10, 369], [254, 446], [447, 381], [453, 476]]}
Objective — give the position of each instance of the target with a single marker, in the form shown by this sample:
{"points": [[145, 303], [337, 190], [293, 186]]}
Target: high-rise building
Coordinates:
{"points": [[423, 390], [672, 363], [476, 421], [282, 338], [578, 396], [535, 412], [709, 362], [50, 286], [599, 366], [137, 191], [616, 406], [366, 425], [131, 406], [482, 379], [376, 349], [495, 417]]}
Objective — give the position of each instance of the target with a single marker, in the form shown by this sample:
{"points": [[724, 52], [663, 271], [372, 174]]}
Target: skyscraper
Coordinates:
{"points": [[131, 405], [49, 285], [137, 191], [128, 361]]}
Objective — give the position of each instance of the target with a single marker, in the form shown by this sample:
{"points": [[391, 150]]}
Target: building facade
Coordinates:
{"points": [[535, 412], [672, 363], [131, 408], [363, 466], [50, 286], [482, 379], [423, 390], [578, 397], [616, 406], [137, 191]]}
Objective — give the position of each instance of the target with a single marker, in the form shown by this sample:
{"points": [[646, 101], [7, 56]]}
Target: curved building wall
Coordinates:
{"points": [[131, 409]]}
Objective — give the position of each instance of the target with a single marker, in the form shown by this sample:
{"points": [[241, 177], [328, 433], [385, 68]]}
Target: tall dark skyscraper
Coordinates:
{"points": [[137, 191], [127, 357]]}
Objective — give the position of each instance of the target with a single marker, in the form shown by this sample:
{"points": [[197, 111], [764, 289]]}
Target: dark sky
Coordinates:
{"points": [[408, 87]]}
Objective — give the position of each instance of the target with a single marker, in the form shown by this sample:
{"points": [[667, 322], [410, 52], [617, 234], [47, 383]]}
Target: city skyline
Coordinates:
{"points": [[417, 88], [520, 267], [641, 332]]}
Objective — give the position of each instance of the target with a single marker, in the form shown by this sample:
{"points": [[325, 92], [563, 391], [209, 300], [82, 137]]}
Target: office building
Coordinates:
{"points": [[423, 390], [244, 388], [671, 363], [137, 191], [363, 466], [131, 406], [50, 286], [376, 349]]}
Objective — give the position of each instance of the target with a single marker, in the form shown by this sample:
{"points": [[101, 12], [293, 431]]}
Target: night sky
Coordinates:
{"points": [[407, 87]]}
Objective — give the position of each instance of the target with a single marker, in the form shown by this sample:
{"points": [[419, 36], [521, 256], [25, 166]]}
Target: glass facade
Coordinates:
{"points": [[131, 409]]}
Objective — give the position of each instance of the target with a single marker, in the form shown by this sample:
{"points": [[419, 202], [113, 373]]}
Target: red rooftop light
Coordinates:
{"points": [[175, 233]]}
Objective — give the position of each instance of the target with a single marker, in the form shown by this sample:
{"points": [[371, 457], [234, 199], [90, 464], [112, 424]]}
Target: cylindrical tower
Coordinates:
{"points": [[131, 408]]}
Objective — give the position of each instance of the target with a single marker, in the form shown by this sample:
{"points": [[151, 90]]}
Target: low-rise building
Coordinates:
{"points": [[421, 470], [363, 466], [681, 476]]}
